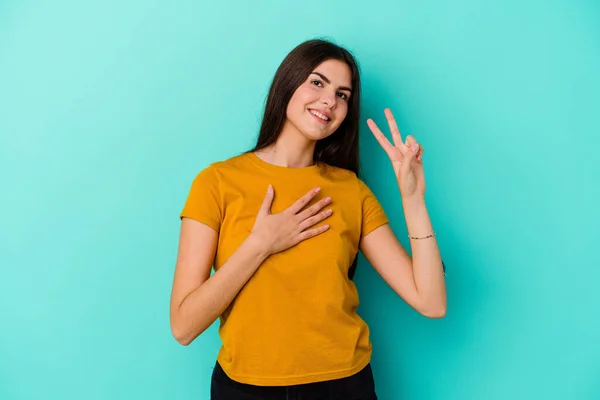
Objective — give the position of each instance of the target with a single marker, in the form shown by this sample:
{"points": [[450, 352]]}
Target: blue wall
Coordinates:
{"points": [[108, 109]]}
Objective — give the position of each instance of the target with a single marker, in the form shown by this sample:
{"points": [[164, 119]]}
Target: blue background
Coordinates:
{"points": [[108, 109]]}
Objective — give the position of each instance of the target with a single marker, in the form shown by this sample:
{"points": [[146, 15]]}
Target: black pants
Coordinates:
{"points": [[360, 386]]}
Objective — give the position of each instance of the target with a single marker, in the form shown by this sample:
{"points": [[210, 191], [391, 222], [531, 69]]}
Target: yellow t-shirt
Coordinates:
{"points": [[295, 320]]}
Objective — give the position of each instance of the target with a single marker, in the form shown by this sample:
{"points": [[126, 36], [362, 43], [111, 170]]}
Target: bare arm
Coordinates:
{"points": [[198, 299], [418, 280]]}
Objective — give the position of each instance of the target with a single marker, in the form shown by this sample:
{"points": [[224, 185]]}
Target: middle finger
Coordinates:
{"points": [[394, 128], [312, 210]]}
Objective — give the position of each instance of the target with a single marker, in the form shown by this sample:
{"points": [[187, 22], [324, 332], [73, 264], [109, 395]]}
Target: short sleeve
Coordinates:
{"points": [[373, 215], [203, 202]]}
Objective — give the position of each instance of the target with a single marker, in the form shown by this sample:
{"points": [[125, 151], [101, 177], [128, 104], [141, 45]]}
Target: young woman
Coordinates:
{"points": [[282, 225]]}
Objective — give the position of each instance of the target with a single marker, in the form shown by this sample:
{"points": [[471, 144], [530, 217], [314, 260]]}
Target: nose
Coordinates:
{"points": [[328, 99]]}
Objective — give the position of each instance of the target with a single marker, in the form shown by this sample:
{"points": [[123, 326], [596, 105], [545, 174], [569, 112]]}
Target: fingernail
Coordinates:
{"points": [[329, 212], [317, 190], [415, 148]]}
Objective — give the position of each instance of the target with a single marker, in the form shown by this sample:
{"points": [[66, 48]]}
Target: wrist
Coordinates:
{"points": [[414, 201], [258, 245]]}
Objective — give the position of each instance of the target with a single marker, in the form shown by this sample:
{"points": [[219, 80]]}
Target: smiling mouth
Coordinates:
{"points": [[319, 117]]}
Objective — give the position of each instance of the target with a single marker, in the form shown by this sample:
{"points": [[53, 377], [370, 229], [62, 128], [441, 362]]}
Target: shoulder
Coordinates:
{"points": [[217, 169]]}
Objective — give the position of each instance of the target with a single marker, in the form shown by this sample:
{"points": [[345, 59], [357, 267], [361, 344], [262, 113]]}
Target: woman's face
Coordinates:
{"points": [[320, 104]]}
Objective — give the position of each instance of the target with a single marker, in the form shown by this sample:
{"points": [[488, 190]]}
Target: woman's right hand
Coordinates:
{"points": [[283, 230]]}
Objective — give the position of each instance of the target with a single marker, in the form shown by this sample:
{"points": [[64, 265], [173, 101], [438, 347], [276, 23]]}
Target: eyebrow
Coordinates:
{"points": [[328, 81]]}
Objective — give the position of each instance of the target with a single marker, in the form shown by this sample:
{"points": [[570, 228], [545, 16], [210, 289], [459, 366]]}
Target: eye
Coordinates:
{"points": [[317, 83], [343, 96]]}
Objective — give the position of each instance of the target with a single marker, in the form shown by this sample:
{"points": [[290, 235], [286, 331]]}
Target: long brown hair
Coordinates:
{"points": [[340, 149]]}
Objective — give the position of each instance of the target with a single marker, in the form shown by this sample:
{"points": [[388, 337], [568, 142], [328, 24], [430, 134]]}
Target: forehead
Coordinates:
{"points": [[338, 72]]}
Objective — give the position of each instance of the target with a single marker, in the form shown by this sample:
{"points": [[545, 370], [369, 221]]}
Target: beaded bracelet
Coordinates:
{"points": [[424, 237]]}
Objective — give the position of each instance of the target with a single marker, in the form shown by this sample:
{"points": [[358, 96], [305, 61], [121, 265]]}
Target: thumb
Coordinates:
{"points": [[410, 141], [410, 156], [265, 207]]}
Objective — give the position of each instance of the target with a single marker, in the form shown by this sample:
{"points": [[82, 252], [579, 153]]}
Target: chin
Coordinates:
{"points": [[316, 135]]}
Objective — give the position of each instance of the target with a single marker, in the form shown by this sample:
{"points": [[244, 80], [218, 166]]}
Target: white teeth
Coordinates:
{"points": [[318, 114]]}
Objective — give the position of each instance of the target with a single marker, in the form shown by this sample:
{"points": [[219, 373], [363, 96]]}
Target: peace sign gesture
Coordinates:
{"points": [[406, 157]]}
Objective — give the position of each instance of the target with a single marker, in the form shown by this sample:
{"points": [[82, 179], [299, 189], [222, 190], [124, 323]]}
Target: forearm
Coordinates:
{"points": [[207, 302], [427, 263]]}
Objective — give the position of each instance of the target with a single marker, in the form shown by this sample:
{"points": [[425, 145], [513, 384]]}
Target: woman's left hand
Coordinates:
{"points": [[406, 158]]}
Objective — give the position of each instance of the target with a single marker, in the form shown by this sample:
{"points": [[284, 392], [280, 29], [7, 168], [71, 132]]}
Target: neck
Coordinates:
{"points": [[291, 149]]}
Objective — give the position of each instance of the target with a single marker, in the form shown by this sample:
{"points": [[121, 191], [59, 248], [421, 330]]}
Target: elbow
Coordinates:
{"points": [[183, 341], [433, 307], [435, 314], [180, 336], [183, 330]]}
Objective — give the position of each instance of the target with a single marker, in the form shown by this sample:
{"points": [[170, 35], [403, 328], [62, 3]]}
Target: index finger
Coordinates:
{"points": [[303, 201], [383, 141]]}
